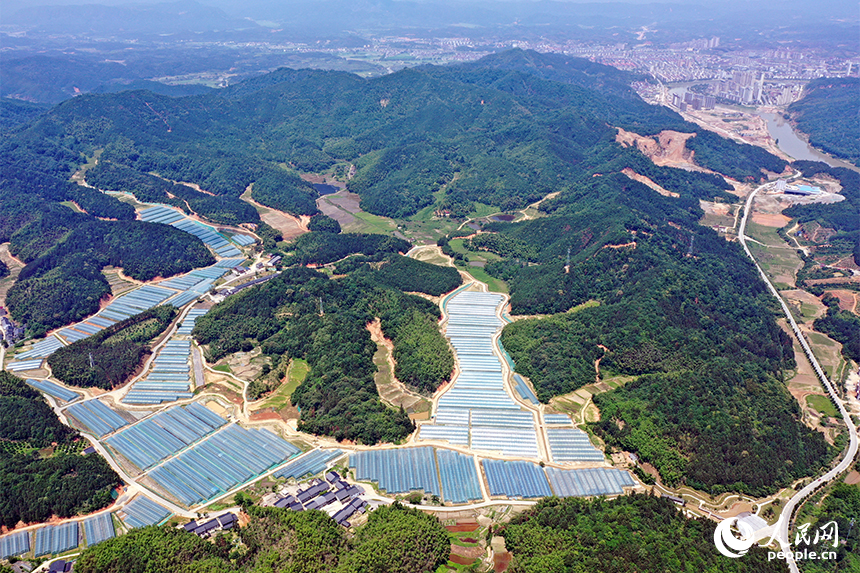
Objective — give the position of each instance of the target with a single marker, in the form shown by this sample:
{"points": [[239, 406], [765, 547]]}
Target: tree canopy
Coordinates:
{"points": [[41, 473]]}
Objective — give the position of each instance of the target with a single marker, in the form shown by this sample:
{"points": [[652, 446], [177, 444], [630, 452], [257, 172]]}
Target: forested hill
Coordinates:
{"points": [[828, 113], [513, 126], [675, 300], [630, 533], [42, 473]]}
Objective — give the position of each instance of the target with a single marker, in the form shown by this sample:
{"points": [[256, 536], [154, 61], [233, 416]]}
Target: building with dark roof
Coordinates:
{"points": [[227, 520], [203, 529], [308, 494]]}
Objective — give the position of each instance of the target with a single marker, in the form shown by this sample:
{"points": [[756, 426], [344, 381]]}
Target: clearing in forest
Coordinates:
{"points": [[15, 267]]}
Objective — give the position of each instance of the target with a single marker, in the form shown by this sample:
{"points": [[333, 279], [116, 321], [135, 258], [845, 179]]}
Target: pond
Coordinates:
{"points": [[325, 188]]}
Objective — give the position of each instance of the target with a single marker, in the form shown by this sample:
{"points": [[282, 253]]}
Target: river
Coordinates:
{"points": [[791, 143]]}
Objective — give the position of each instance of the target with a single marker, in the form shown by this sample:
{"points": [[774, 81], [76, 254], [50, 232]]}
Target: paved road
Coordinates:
{"points": [[784, 524]]}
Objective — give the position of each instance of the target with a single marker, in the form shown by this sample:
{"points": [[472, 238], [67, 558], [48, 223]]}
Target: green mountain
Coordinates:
{"points": [[631, 533], [680, 309], [395, 539], [42, 473], [828, 113]]}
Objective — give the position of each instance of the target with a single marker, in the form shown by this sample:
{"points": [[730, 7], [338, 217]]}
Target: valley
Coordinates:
{"points": [[473, 320]]}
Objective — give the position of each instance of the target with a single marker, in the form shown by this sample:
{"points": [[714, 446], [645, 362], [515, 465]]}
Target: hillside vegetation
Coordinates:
{"points": [[34, 484], [828, 112], [304, 314], [677, 302], [107, 358], [65, 251], [396, 539], [842, 505], [630, 533]]}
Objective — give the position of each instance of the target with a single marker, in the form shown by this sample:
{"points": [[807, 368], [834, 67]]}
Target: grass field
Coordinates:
{"points": [[296, 374], [827, 351], [494, 284], [779, 260], [483, 210], [434, 257], [426, 214], [223, 368], [367, 223], [71, 205], [822, 405]]}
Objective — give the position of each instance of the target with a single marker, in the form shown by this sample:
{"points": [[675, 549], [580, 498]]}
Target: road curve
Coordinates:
{"points": [[788, 511]]}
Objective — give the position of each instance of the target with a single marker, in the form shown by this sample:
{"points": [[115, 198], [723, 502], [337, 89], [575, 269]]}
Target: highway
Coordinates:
{"points": [[783, 525]]}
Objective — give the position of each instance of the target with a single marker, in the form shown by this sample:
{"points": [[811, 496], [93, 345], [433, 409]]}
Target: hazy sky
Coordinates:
{"points": [[774, 9]]}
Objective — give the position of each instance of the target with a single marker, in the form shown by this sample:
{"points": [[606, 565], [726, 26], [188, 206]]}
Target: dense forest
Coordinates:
{"points": [[396, 539], [41, 473], [630, 533], [286, 191], [324, 247], [739, 428], [303, 314], [148, 188], [828, 112], [669, 298], [106, 359], [412, 275], [65, 250], [14, 112], [842, 505], [65, 253], [506, 131], [323, 223], [514, 126]]}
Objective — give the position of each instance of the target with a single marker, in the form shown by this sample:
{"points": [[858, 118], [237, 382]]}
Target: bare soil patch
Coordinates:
{"points": [[264, 416], [739, 507], [834, 280], [647, 181], [340, 206], [246, 365], [847, 263], [847, 299], [390, 389], [667, 148], [226, 392], [458, 559], [853, 478], [323, 179], [468, 552], [288, 225], [462, 527], [770, 219], [801, 297], [501, 561], [15, 267]]}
